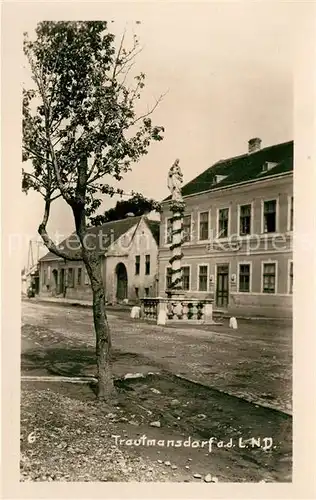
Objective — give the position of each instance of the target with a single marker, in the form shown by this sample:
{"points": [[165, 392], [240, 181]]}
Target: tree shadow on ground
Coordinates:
{"points": [[73, 362], [60, 361]]}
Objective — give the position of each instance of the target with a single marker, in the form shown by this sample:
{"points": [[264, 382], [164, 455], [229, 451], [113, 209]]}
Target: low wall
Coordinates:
{"points": [[178, 310]]}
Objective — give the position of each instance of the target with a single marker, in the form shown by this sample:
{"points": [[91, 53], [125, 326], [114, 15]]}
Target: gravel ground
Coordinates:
{"points": [[73, 443], [66, 435]]}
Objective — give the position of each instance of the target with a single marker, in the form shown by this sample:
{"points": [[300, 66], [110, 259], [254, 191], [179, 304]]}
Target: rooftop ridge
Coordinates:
{"points": [[241, 168]]}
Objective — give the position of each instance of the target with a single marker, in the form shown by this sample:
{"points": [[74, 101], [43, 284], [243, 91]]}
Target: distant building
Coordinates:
{"points": [[238, 228], [129, 253], [30, 280]]}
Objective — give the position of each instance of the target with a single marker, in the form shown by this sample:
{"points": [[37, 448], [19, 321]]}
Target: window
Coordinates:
{"points": [[265, 167], [203, 272], [168, 278], [291, 278], [186, 277], [136, 292], [244, 278], [79, 276], [291, 215], [223, 222], [269, 278], [70, 277], [187, 228], [169, 232], [204, 225], [146, 292], [268, 165], [147, 264], [269, 216], [137, 264], [245, 220], [218, 178], [44, 277]]}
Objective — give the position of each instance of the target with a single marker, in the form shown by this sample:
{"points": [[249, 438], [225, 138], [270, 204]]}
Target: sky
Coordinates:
{"points": [[227, 69]]}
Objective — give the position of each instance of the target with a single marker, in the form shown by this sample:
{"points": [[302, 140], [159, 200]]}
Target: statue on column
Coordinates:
{"points": [[175, 180]]}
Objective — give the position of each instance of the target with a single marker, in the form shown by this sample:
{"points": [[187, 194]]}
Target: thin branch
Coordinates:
{"points": [[41, 88], [131, 55], [35, 154], [56, 197], [126, 75], [57, 125], [58, 141], [36, 184], [56, 79], [97, 176], [118, 55], [150, 111]]}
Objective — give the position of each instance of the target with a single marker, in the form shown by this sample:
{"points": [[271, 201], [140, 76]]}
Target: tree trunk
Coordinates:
{"points": [[92, 261], [103, 346], [106, 388]]}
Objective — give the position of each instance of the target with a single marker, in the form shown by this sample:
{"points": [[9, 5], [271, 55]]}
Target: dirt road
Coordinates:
{"points": [[253, 362]]}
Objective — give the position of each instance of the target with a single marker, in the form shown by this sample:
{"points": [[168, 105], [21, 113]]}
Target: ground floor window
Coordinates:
{"points": [[146, 292], [186, 277], [269, 277], [291, 214], [168, 278], [291, 278], [244, 278], [203, 275], [136, 292]]}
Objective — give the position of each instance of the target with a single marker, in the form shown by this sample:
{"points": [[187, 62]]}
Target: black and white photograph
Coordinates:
{"points": [[158, 215]]}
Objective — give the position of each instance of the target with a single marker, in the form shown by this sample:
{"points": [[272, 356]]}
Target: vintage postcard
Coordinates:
{"points": [[158, 258]]}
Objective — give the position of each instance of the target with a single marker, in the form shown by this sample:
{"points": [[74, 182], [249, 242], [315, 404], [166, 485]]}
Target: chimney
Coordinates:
{"points": [[254, 145]]}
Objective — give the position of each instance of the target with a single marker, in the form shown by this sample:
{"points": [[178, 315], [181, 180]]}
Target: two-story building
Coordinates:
{"points": [[237, 232], [129, 253]]}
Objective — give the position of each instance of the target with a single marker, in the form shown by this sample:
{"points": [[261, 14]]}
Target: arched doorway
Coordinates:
{"points": [[121, 280]]}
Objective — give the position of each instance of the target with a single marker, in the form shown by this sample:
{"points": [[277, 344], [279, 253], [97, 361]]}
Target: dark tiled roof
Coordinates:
{"points": [[109, 232], [243, 168]]}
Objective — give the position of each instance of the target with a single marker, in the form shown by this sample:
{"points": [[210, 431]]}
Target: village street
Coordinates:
{"points": [[253, 362], [74, 434]]}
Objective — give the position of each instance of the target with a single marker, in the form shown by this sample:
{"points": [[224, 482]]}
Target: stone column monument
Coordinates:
{"points": [[175, 180], [178, 306]]}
